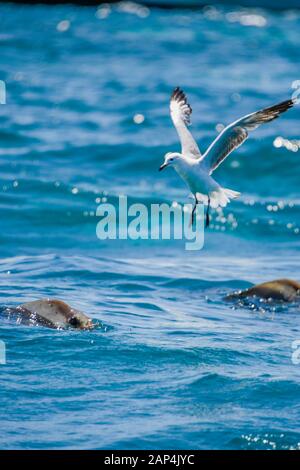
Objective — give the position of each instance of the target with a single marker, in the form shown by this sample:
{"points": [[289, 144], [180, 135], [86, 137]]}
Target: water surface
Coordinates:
{"points": [[173, 365]]}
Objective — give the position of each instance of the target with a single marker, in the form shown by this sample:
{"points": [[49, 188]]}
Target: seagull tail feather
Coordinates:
{"points": [[222, 196]]}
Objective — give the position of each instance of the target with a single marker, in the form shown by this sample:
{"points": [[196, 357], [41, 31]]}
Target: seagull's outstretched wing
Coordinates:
{"points": [[180, 113], [236, 133]]}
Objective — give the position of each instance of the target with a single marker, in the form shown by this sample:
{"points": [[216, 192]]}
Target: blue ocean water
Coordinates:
{"points": [[172, 364]]}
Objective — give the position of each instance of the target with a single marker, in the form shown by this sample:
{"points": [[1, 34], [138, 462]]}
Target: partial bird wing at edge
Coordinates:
{"points": [[236, 133], [181, 111]]}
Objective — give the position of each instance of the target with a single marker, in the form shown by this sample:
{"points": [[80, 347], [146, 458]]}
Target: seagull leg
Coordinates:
{"points": [[207, 213], [193, 213]]}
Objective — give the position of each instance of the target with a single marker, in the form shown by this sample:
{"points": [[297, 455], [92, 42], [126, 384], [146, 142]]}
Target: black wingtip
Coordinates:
{"points": [[179, 95], [180, 98], [176, 93], [282, 107]]}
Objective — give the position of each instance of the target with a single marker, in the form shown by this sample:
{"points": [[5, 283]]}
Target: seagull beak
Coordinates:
{"points": [[162, 166]]}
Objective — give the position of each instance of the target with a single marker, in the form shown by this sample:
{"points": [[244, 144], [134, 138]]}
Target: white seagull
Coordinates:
{"points": [[196, 169]]}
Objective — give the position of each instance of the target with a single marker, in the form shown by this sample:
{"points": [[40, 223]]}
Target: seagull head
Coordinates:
{"points": [[171, 158]]}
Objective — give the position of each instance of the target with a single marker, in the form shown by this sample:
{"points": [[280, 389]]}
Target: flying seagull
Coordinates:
{"points": [[196, 169]]}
